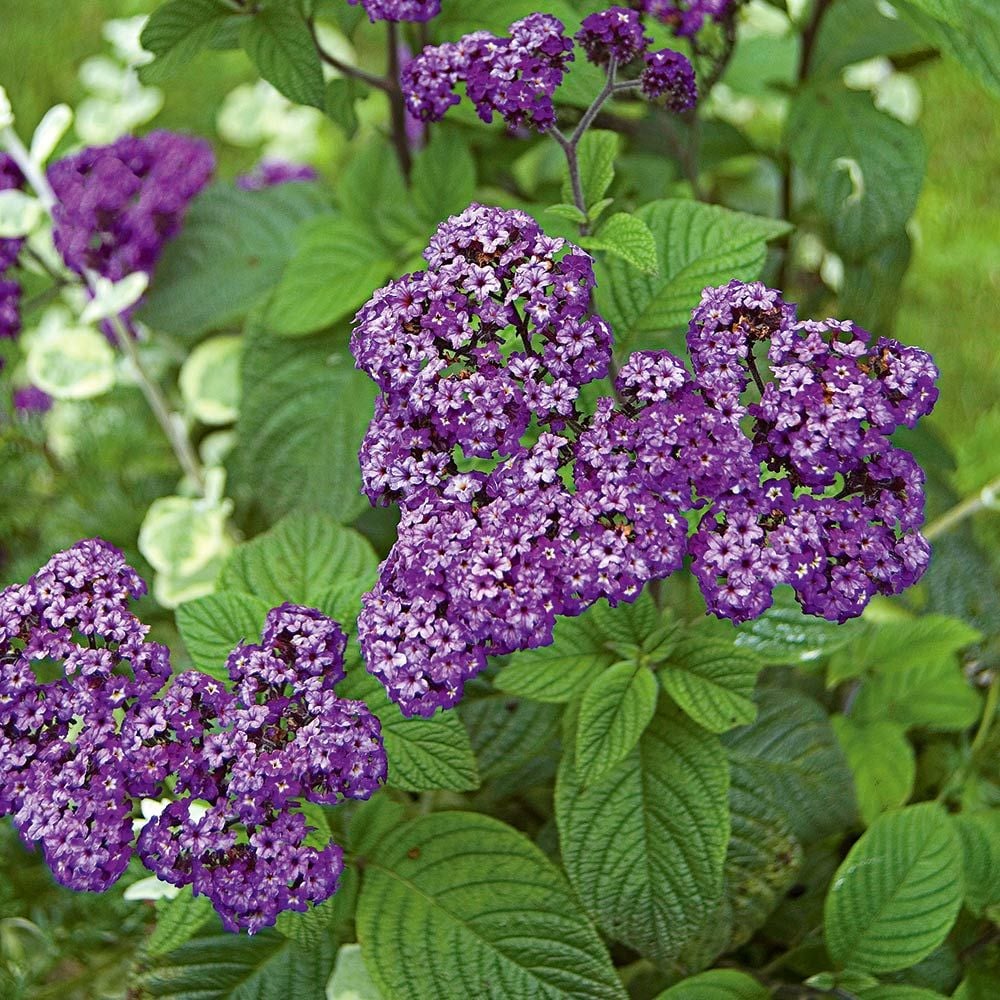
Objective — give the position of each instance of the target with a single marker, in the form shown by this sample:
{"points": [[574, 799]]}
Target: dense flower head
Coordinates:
{"points": [[670, 77], [685, 17], [399, 10], [514, 77], [269, 173], [118, 205], [10, 309], [519, 507], [614, 34], [67, 779], [11, 178]]}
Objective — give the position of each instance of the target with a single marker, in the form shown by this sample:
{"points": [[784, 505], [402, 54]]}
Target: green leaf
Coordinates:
{"points": [[281, 46], [933, 694], [458, 904], [896, 896], [231, 253], [867, 168], [335, 269], [615, 710], [444, 177], [595, 156], [645, 846], [569, 212], [178, 920], [176, 32], [712, 681], [763, 857], [716, 984], [965, 30], [424, 754], [697, 245], [792, 749], [980, 836], [304, 414], [351, 979], [238, 967], [298, 560], [882, 761], [212, 626], [209, 380], [628, 237], [341, 95]]}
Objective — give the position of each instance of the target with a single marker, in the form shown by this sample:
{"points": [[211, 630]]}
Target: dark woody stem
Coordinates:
{"points": [[346, 68], [397, 103]]}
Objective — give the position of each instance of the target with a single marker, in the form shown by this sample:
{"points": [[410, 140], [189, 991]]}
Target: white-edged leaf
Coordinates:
{"points": [[209, 380], [897, 893], [213, 626], [645, 846], [459, 904], [112, 298], [20, 213], [69, 361], [50, 130]]}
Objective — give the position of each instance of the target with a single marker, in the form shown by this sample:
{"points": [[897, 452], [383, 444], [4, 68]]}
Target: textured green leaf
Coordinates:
{"points": [[444, 177], [980, 836], [716, 984], [341, 94], [712, 681], [763, 857], [628, 237], [424, 754], [793, 750], [178, 920], [335, 269], [882, 761], [281, 46], [213, 626], [457, 904], [238, 967], [867, 168], [303, 417], [896, 896], [897, 991], [614, 711], [231, 253], [298, 560], [351, 979], [645, 846], [596, 158], [177, 31], [697, 245]]}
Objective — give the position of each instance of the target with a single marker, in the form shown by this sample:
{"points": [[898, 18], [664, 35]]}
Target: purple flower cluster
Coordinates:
{"points": [[269, 173], [10, 291], [514, 77], [87, 728], [399, 10], [613, 34], [686, 17], [119, 204], [669, 76], [519, 506], [31, 399]]}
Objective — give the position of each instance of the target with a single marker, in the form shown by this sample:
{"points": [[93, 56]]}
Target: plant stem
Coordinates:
{"points": [[986, 497], [397, 104], [346, 68], [169, 422]]}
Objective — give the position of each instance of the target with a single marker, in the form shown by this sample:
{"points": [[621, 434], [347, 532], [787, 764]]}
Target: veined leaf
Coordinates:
{"points": [[459, 904], [980, 836], [178, 920], [596, 159], [281, 46], [628, 237], [717, 984], [176, 32], [444, 177], [896, 896], [212, 626], [882, 761]]}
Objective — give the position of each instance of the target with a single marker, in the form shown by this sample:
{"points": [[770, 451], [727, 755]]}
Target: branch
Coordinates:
{"points": [[985, 498], [397, 105], [346, 68]]}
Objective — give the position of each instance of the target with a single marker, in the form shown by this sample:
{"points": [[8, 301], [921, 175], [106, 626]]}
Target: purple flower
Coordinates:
{"points": [[11, 179], [670, 76], [10, 309], [269, 173], [686, 17], [615, 33], [31, 399], [399, 10], [120, 204]]}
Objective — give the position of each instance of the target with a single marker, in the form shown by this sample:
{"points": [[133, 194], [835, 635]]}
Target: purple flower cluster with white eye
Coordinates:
{"points": [[518, 507], [79, 750], [670, 77], [119, 204], [615, 33], [10, 249], [399, 10], [280, 738], [513, 77], [67, 778], [686, 17], [270, 173]]}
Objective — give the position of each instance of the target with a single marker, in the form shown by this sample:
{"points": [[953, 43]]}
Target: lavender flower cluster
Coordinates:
{"points": [[119, 204], [399, 10], [519, 504], [685, 17], [271, 173], [516, 77], [77, 750], [10, 249]]}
